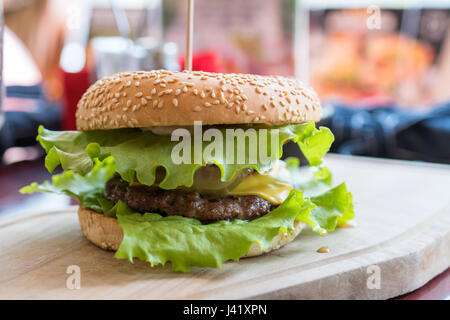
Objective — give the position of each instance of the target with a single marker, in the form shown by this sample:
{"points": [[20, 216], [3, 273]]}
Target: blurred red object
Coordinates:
{"points": [[208, 61], [75, 84]]}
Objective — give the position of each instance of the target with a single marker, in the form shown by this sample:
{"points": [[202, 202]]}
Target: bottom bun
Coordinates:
{"points": [[105, 233]]}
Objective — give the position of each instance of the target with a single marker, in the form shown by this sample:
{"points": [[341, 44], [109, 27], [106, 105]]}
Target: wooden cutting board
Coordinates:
{"points": [[401, 241]]}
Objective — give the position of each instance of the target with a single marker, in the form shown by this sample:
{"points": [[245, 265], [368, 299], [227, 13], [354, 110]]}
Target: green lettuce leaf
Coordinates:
{"points": [[314, 142], [87, 189], [333, 208], [138, 153]]}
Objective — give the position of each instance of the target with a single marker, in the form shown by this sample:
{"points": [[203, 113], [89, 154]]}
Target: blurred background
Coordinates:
{"points": [[381, 68]]}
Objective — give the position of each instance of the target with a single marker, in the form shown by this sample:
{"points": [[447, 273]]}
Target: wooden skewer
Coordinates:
{"points": [[189, 35]]}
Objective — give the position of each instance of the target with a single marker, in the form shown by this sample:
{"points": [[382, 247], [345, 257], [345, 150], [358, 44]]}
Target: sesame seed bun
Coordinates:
{"points": [[105, 233], [165, 98]]}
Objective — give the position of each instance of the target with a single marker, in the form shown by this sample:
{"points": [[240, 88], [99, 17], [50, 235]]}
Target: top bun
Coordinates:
{"points": [[166, 98]]}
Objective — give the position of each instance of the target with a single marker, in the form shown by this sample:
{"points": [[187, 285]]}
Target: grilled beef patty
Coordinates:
{"points": [[185, 203]]}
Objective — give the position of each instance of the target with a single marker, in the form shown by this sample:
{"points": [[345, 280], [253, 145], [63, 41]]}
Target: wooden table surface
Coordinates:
{"points": [[13, 204]]}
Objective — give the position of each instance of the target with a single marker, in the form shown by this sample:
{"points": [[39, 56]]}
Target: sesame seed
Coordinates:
{"points": [[230, 105], [139, 94], [177, 92], [143, 101], [161, 104], [137, 83], [128, 103], [185, 89], [155, 103], [117, 95], [175, 102], [197, 109], [202, 94], [153, 91]]}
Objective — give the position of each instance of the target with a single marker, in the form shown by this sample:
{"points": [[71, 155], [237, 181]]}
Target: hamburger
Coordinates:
{"points": [[184, 167]]}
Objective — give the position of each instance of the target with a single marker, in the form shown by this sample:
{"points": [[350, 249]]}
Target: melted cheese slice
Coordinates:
{"points": [[265, 186]]}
